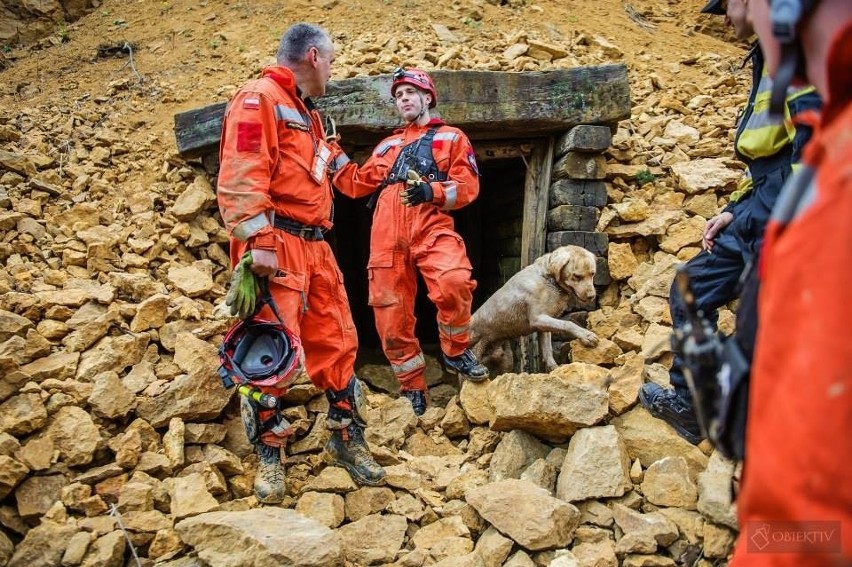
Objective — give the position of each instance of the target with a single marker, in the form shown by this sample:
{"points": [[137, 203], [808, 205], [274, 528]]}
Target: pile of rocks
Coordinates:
{"points": [[115, 428]]}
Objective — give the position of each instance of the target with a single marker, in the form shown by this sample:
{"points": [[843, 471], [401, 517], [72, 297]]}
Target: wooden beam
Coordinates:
{"points": [[534, 232], [198, 131], [486, 105]]}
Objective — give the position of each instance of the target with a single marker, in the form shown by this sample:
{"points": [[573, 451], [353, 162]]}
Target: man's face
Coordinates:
{"points": [[320, 61], [759, 14], [410, 101], [738, 18]]}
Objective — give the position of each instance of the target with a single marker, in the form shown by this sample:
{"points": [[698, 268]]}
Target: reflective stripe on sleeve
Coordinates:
{"points": [[250, 226]]}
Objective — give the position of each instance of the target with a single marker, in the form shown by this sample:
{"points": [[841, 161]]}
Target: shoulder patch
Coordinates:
{"points": [[251, 102], [471, 159], [249, 136]]}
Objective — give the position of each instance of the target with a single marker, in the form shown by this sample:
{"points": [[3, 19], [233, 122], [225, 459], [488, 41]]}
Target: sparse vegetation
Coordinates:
{"points": [[645, 176]]}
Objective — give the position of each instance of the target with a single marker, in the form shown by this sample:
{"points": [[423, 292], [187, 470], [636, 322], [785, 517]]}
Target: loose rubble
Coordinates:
{"points": [[114, 426]]}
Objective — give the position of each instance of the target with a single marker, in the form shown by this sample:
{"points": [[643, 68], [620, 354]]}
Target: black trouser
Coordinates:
{"points": [[714, 277]]}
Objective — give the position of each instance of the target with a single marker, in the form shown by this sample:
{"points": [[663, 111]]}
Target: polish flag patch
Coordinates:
{"points": [[252, 103]]}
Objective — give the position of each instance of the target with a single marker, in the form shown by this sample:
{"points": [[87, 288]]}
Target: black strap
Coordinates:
{"points": [[417, 156]]}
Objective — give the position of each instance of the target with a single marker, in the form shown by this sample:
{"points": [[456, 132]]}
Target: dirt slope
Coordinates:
{"points": [[192, 54]]}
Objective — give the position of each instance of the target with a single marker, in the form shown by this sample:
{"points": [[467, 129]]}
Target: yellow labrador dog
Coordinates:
{"points": [[532, 300]]}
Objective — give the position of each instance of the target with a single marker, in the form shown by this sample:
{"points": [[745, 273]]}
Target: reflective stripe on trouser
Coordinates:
{"points": [[392, 293], [313, 303], [410, 372]]}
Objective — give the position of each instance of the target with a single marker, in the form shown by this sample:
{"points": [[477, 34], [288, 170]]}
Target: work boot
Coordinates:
{"points": [[417, 399], [671, 407], [466, 366], [269, 485], [349, 450]]}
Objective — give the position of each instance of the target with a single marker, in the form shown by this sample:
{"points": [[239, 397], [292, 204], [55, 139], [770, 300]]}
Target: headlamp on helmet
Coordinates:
{"points": [[416, 78]]}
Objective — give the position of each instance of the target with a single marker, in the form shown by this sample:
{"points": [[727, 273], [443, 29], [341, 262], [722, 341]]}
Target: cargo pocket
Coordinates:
{"points": [[446, 251], [289, 289], [380, 290]]}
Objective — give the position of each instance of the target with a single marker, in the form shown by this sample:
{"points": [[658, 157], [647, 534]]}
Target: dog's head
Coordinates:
{"points": [[573, 269]]}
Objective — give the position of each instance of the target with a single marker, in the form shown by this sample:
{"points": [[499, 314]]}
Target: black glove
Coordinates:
{"points": [[417, 191]]}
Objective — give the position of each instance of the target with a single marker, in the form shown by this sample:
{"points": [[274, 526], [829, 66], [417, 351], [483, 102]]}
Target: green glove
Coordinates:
{"points": [[243, 289]]}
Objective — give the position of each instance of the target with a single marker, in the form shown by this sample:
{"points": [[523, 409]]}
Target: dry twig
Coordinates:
{"points": [[634, 15]]}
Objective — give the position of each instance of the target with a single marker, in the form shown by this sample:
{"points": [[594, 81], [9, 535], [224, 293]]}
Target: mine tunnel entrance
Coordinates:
{"points": [[491, 228]]}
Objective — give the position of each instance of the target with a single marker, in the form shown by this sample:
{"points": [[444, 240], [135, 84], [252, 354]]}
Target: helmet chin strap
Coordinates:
{"points": [[422, 109]]}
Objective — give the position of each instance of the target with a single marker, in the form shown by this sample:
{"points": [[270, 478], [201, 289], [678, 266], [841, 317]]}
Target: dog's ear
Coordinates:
{"points": [[557, 261]]}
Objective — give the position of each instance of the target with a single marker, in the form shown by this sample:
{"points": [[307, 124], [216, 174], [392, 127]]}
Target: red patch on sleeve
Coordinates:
{"points": [[437, 144], [249, 135]]}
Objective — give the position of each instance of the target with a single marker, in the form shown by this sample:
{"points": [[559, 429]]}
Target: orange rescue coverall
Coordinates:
{"points": [[422, 237], [796, 502], [274, 162]]}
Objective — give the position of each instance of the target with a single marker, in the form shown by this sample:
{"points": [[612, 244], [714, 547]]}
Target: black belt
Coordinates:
{"points": [[301, 230]]}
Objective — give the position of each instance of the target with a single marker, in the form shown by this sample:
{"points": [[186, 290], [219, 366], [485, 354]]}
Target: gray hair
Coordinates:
{"points": [[297, 40]]}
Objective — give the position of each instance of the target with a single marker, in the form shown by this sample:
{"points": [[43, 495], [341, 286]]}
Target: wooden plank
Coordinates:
{"points": [[534, 233], [486, 151], [486, 105], [198, 131]]}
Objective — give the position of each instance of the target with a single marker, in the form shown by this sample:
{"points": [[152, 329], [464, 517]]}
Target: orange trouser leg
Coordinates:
{"points": [[446, 271], [313, 304], [392, 293]]}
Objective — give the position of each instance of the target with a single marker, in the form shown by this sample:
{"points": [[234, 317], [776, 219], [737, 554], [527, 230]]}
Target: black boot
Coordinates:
{"points": [[349, 449], [269, 484], [466, 366], [417, 399], [674, 409]]}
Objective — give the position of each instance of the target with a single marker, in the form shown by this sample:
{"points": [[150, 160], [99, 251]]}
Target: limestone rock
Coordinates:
{"points": [[43, 545], [373, 539], [324, 507], [262, 537], [595, 466], [649, 442], [550, 405], [195, 199], [526, 513], [702, 174], [110, 398], [667, 483], [515, 452]]}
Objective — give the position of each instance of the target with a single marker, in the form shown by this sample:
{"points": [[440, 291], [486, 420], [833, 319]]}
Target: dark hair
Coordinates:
{"points": [[297, 40]]}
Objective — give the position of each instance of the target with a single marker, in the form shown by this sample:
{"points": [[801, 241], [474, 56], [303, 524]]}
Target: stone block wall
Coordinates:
{"points": [[578, 193]]}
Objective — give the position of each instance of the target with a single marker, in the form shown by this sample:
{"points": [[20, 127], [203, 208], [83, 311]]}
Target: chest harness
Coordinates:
{"points": [[415, 156]]}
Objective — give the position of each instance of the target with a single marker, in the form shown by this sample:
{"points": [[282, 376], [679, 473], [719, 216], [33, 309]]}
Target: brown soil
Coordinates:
{"points": [[192, 54]]}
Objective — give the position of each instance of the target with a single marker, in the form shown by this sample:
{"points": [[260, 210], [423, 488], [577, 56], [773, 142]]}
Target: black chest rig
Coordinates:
{"points": [[415, 156]]}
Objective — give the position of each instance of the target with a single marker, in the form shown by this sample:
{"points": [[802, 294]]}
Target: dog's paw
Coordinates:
{"points": [[589, 339]]}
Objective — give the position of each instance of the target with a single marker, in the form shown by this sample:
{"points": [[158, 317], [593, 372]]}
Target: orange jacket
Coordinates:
{"points": [[273, 159], [798, 444], [395, 225]]}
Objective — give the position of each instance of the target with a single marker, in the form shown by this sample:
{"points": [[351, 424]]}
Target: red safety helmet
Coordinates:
{"points": [[417, 78], [260, 353]]}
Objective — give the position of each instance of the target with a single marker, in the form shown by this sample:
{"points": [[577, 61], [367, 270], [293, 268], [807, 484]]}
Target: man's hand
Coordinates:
{"points": [[714, 227], [243, 289], [264, 262], [331, 135], [417, 191]]}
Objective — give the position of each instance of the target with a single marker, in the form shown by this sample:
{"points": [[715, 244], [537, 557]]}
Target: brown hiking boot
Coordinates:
{"points": [[269, 484], [349, 449]]}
